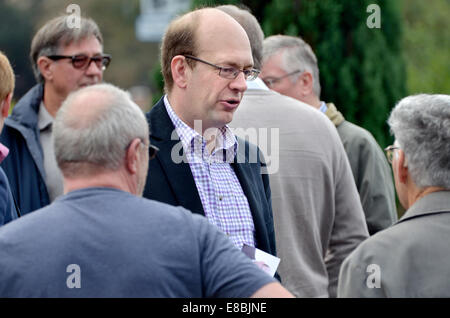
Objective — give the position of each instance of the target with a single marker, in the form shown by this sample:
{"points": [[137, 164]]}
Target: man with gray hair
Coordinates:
{"points": [[62, 57], [101, 238], [290, 68], [410, 259], [317, 213]]}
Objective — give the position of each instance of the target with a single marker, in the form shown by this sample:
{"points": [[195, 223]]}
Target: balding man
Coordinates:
{"points": [[101, 239], [206, 59]]}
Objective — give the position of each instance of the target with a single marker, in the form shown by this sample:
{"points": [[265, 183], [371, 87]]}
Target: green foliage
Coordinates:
{"points": [[427, 45]]}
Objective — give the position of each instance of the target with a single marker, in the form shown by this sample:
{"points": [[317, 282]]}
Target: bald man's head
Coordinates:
{"points": [[94, 126], [185, 35]]}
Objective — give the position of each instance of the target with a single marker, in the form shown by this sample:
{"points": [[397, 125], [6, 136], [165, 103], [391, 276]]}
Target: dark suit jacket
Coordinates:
{"points": [[173, 183]]}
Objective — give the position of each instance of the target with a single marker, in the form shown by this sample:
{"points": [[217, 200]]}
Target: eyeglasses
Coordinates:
{"points": [[152, 150], [390, 152], [270, 81], [83, 62], [229, 72]]}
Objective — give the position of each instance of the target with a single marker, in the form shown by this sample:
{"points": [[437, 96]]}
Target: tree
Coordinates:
{"points": [[427, 45], [15, 39]]}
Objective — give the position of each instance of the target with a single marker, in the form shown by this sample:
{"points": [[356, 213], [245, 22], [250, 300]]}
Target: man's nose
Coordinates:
{"points": [[94, 70], [239, 83]]}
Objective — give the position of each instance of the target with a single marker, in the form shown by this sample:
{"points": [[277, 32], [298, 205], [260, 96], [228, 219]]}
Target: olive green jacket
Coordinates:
{"points": [[371, 172]]}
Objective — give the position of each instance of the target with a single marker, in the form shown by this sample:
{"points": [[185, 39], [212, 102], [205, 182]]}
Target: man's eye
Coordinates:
{"points": [[228, 70]]}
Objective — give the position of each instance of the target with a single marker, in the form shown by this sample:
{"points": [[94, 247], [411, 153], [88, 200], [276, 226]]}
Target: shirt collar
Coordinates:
{"points": [[323, 107], [193, 143], [44, 118], [257, 84]]}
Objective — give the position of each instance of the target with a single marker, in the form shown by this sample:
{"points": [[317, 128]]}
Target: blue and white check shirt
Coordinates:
{"points": [[223, 199]]}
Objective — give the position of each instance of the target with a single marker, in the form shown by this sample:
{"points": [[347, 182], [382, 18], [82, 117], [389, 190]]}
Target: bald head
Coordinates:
{"points": [[94, 127], [251, 27], [196, 32]]}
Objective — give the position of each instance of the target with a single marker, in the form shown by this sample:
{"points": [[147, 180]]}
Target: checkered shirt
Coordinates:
{"points": [[223, 199]]}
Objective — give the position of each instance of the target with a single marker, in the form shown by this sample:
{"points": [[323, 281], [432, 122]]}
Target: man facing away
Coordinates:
{"points": [[290, 68], [206, 59], [317, 213], [8, 210], [63, 59], [410, 259], [101, 238]]}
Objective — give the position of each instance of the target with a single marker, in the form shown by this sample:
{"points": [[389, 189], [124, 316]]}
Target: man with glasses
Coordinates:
{"points": [[411, 258], [317, 213], [64, 59], [206, 60], [290, 68]]}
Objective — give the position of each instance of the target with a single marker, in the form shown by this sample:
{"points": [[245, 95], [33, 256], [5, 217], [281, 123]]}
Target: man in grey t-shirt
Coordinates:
{"points": [[101, 239]]}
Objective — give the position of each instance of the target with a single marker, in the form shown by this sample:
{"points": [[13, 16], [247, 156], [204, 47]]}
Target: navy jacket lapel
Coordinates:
{"points": [[178, 176], [247, 174]]}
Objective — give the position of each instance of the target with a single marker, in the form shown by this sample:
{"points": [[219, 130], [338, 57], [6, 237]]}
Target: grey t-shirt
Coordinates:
{"points": [[122, 246], [53, 175]]}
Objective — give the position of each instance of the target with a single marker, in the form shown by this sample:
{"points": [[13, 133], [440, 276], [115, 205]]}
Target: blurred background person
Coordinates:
{"points": [[290, 68], [64, 59], [8, 210]]}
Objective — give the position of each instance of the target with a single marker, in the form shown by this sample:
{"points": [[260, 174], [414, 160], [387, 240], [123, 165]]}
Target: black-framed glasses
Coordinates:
{"points": [[390, 152], [270, 81], [82, 61], [229, 72]]}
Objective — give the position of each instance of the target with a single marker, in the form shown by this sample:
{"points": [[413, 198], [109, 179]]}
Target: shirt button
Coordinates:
{"points": [[220, 198]]}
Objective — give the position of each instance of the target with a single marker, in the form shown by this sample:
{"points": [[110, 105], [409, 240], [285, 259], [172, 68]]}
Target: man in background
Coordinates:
{"points": [[8, 211], [64, 59], [290, 68]]}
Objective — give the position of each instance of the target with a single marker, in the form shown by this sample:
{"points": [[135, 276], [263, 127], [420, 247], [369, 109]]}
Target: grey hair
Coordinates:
{"points": [[297, 55], [57, 33], [421, 125], [100, 137], [251, 26]]}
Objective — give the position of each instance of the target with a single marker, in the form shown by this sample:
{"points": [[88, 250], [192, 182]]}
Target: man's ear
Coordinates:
{"points": [[44, 65], [131, 157], [6, 104], [305, 83], [401, 165], [179, 67]]}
